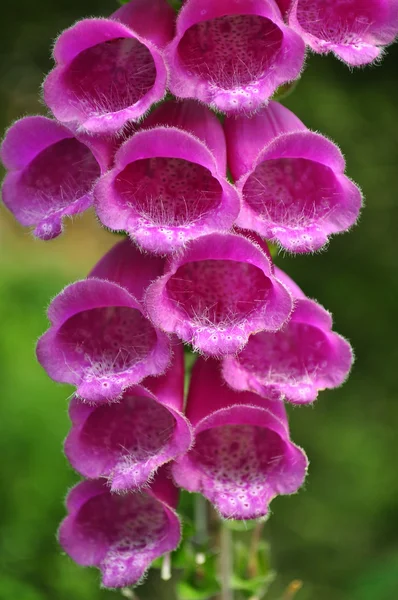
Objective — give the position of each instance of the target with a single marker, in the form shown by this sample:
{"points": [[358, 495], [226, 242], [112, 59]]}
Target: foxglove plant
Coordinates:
{"points": [[292, 181], [51, 173], [111, 71], [127, 441], [168, 184], [197, 194], [299, 360], [100, 339], [231, 55], [243, 456], [356, 31], [217, 292], [120, 534]]}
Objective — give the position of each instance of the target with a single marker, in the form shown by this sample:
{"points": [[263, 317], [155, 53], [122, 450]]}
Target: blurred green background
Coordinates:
{"points": [[339, 535]]}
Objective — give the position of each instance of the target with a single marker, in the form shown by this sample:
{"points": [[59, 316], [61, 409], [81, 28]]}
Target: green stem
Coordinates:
{"points": [[201, 521], [252, 563], [226, 563]]}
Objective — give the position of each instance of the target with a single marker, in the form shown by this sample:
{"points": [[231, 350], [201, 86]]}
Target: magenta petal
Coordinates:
{"points": [[132, 269], [217, 292], [152, 20], [165, 189], [106, 75], [284, 6], [100, 341], [51, 173], [294, 190], [232, 56], [29, 136], [120, 534], [247, 136], [357, 55], [300, 360], [355, 31], [194, 118], [128, 441], [243, 456]]}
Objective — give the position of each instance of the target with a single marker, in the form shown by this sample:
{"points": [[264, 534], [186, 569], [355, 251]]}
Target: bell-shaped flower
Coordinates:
{"points": [[111, 71], [217, 292], [168, 184], [232, 55], [356, 31], [51, 173], [128, 441], [100, 338], [301, 359], [243, 456], [292, 180], [120, 534]]}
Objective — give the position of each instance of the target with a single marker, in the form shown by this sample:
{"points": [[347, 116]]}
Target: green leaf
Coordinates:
{"points": [[186, 591], [257, 587]]}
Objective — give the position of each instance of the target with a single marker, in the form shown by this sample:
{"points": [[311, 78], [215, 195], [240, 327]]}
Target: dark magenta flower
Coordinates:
{"points": [[51, 173], [128, 441], [243, 456], [292, 180], [300, 360], [120, 534], [232, 55], [284, 6], [218, 291], [356, 31], [111, 71], [168, 184], [100, 338]]}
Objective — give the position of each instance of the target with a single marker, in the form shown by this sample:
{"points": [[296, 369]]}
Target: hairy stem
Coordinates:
{"points": [[252, 563]]}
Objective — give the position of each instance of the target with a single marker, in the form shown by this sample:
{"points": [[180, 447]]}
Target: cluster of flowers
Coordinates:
{"points": [[195, 268]]}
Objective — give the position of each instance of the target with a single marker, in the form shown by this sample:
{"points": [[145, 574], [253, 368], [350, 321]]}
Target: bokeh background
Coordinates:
{"points": [[339, 535]]}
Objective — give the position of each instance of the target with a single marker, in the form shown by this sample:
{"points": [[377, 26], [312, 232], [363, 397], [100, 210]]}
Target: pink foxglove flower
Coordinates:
{"points": [[51, 173], [243, 456], [292, 180], [301, 359], [100, 338], [110, 71], [232, 55], [127, 441], [120, 534], [217, 292], [168, 184], [356, 31]]}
